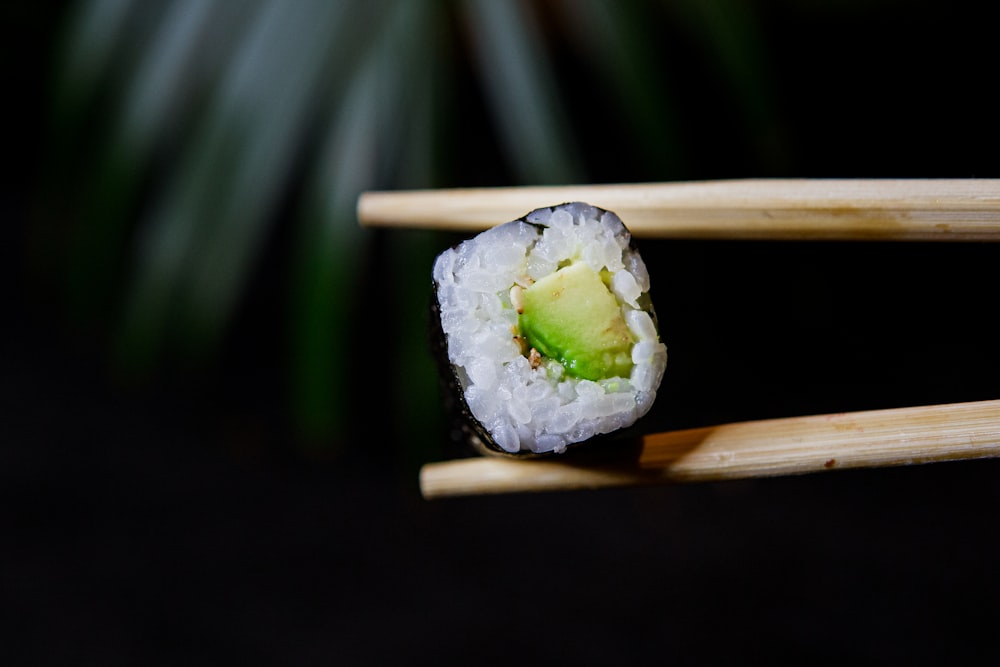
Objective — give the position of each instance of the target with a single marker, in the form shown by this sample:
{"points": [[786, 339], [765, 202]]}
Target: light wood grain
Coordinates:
{"points": [[764, 448], [774, 209]]}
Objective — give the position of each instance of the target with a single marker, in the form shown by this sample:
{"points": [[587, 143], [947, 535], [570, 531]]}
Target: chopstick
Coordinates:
{"points": [[764, 448], [767, 209]]}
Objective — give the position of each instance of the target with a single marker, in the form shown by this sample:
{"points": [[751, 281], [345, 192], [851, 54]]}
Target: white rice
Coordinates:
{"points": [[543, 409]]}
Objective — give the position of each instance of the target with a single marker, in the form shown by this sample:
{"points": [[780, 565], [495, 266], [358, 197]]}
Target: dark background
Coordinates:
{"points": [[183, 515]]}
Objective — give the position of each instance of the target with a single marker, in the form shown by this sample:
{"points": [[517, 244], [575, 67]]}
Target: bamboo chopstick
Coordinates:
{"points": [[765, 448], [768, 209]]}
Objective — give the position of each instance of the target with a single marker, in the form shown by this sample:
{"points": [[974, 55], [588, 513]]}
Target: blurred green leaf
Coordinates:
{"points": [[196, 249], [520, 84], [729, 33], [619, 40], [192, 135]]}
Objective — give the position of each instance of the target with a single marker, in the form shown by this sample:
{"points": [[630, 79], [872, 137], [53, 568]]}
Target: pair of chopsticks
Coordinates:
{"points": [[765, 209]]}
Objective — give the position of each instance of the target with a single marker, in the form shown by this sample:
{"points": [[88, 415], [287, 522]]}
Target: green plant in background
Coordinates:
{"points": [[186, 132]]}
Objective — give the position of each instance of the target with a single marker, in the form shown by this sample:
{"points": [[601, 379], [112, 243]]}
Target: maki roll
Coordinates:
{"points": [[545, 331]]}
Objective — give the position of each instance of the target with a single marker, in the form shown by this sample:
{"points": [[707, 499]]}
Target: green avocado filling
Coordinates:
{"points": [[573, 317]]}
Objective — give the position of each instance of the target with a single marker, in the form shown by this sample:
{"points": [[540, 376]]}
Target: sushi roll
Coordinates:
{"points": [[545, 332]]}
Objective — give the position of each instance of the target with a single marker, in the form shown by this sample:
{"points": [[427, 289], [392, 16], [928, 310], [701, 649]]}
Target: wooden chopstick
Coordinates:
{"points": [[764, 448], [767, 209]]}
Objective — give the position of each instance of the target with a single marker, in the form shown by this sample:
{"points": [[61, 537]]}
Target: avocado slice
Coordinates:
{"points": [[571, 316]]}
